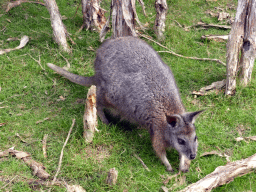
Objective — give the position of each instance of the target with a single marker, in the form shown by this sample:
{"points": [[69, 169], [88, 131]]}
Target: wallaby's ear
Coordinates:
{"points": [[173, 120], [191, 116]]}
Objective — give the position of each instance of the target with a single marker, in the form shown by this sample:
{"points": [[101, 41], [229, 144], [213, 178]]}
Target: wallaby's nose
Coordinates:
{"points": [[192, 156]]}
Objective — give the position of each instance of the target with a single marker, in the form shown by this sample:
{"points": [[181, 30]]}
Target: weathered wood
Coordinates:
{"points": [[112, 176], [18, 2], [59, 30], [93, 15], [90, 115], [161, 11], [215, 37], [123, 18], [249, 45], [223, 175], [234, 45], [38, 168]]}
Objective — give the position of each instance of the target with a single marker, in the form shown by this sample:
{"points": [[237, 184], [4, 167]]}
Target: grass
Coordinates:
{"points": [[29, 94]]}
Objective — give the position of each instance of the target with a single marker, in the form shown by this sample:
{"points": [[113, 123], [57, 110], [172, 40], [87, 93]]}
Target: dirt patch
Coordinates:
{"points": [[99, 153]]}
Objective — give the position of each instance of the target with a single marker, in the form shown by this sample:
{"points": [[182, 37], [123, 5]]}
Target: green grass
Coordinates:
{"points": [[29, 94]]}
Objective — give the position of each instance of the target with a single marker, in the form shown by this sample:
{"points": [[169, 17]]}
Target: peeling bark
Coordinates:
{"points": [[249, 46], [161, 11], [123, 18], [59, 30], [93, 15]]}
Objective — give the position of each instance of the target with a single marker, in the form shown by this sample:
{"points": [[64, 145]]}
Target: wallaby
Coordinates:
{"points": [[132, 80]]}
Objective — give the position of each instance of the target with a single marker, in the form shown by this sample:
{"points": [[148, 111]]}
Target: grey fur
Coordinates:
{"points": [[132, 80]]}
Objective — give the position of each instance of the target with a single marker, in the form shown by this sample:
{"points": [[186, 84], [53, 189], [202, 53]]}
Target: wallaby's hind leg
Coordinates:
{"points": [[184, 163], [159, 147], [101, 114], [101, 104]]}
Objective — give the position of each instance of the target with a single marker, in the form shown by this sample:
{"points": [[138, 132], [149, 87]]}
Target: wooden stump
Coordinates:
{"points": [[112, 176], [242, 38], [249, 45], [90, 115]]}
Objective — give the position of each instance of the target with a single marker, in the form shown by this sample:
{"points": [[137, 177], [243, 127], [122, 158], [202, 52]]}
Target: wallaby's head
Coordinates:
{"points": [[181, 134]]}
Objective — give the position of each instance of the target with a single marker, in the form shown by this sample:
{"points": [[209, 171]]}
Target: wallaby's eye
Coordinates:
{"points": [[181, 141], [195, 138]]}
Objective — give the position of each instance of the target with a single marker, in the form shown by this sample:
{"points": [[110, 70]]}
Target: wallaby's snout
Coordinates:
{"points": [[192, 156]]}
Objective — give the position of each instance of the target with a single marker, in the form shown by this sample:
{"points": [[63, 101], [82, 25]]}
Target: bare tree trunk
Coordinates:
{"points": [[123, 18], [161, 11], [93, 15], [59, 30], [234, 45], [249, 45]]}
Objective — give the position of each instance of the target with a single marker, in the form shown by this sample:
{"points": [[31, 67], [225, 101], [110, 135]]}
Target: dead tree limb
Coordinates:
{"points": [[59, 30], [234, 44], [161, 11], [38, 168], [249, 45], [223, 175], [90, 115], [17, 3], [215, 37]]}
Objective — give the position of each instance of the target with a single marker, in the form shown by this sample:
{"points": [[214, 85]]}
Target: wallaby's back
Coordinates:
{"points": [[135, 78]]}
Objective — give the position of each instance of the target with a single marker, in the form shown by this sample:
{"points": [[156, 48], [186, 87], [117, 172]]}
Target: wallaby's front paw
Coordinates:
{"points": [[184, 164], [184, 170], [169, 169]]}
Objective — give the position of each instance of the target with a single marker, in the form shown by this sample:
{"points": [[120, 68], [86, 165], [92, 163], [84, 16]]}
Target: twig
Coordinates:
{"points": [[38, 61], [40, 121], [76, 10], [61, 154], [9, 182], [172, 52], [195, 58], [143, 164], [143, 7], [208, 25], [68, 64], [178, 24], [44, 145]]}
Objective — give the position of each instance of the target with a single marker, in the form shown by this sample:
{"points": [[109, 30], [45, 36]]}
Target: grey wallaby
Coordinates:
{"points": [[134, 82]]}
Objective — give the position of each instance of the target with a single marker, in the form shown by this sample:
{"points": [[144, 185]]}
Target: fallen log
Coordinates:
{"points": [[223, 175]]}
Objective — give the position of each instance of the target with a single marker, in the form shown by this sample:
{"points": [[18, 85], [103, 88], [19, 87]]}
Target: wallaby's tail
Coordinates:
{"points": [[85, 81]]}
